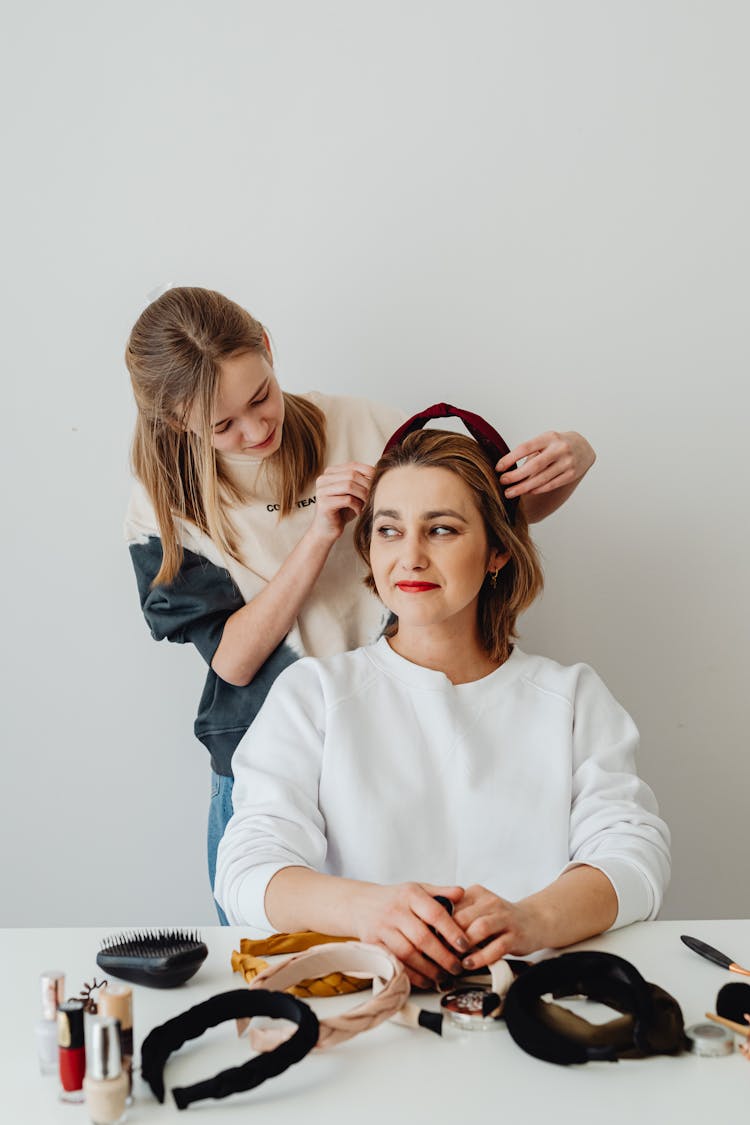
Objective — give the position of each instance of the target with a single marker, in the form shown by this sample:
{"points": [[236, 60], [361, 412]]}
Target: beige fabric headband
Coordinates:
{"points": [[390, 989]]}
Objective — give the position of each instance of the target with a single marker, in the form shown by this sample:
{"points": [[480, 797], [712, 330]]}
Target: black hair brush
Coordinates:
{"points": [[156, 958]]}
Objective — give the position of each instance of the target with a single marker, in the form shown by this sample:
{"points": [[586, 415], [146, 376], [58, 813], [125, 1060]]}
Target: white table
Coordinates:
{"points": [[391, 1074]]}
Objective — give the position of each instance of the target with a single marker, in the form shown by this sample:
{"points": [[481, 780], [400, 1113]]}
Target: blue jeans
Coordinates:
{"points": [[219, 812]]}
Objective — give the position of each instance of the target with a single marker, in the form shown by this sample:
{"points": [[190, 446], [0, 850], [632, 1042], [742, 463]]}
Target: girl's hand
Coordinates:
{"points": [[400, 918], [340, 495], [550, 461], [499, 926]]}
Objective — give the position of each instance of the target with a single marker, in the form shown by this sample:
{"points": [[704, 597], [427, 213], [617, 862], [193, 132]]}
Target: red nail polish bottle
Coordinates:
{"points": [[72, 1053]]}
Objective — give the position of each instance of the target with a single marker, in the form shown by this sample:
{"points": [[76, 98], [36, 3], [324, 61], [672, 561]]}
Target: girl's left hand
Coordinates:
{"points": [[550, 461], [506, 927]]}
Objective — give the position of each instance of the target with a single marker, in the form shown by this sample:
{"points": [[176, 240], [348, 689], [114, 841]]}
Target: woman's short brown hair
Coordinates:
{"points": [[520, 580]]}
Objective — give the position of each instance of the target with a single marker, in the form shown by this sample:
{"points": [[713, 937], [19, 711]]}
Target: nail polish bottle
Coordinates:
{"points": [[116, 1001], [52, 984], [71, 1050], [106, 1083]]}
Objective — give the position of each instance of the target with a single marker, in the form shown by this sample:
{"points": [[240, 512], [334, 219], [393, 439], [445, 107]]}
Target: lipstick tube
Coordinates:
{"points": [[72, 1053]]}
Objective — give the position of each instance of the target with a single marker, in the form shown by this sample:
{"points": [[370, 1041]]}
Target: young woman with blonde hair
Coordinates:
{"points": [[239, 522], [443, 760]]}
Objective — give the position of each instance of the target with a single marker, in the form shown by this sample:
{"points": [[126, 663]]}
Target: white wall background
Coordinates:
{"points": [[538, 209]]}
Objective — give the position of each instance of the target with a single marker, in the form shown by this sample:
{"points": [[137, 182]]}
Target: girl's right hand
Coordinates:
{"points": [[403, 918], [340, 495]]}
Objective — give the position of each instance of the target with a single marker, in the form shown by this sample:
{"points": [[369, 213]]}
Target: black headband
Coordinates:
{"points": [[486, 436], [163, 1040], [652, 1023]]}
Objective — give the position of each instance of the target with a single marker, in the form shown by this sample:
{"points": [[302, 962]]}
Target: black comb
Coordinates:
{"points": [[156, 958]]}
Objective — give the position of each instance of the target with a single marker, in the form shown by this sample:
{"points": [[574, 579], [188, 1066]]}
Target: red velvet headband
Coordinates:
{"points": [[490, 440]]}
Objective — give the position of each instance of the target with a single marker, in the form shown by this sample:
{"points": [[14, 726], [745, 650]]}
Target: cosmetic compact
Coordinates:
{"points": [[473, 1007], [710, 1040]]}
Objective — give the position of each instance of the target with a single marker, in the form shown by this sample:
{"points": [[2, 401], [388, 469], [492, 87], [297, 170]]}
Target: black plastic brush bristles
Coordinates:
{"points": [[157, 958], [144, 943]]}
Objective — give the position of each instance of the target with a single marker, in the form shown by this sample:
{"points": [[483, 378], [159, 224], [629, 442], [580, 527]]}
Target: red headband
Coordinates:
{"points": [[490, 440]]}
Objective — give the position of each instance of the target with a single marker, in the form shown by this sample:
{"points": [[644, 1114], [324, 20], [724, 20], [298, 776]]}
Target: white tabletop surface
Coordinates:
{"points": [[391, 1074]]}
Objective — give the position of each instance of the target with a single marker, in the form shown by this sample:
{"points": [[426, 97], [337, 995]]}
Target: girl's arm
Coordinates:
{"points": [[553, 466], [252, 633]]}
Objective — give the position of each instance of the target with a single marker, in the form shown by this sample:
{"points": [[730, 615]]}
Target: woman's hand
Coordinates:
{"points": [[340, 495], [580, 902], [498, 926], [550, 461], [400, 918]]}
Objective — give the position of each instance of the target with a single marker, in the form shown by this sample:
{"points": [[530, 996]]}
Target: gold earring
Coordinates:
{"points": [[493, 577]]}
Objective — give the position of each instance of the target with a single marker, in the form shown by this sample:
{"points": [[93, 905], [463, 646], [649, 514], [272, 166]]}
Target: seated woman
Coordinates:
{"points": [[443, 760]]}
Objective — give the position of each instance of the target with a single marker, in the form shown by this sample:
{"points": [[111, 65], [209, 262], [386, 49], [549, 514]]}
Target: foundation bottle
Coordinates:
{"points": [[106, 1083], [116, 1001]]}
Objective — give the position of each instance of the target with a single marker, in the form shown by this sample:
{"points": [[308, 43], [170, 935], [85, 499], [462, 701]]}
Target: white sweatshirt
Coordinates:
{"points": [[367, 766]]}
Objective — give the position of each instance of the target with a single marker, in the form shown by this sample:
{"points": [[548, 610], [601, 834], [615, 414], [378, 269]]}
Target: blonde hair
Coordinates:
{"points": [[174, 354], [520, 581]]}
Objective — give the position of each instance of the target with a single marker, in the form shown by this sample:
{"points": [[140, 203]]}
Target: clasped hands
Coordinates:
{"points": [[433, 944]]}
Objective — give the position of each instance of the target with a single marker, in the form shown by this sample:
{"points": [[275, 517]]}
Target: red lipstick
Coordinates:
{"points": [[416, 587]]}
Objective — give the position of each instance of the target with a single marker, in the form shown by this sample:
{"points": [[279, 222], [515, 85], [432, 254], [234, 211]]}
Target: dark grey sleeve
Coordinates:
{"points": [[194, 607]]}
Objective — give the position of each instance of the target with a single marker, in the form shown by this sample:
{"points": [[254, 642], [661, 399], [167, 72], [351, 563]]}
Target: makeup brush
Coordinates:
{"points": [[740, 1028], [714, 955]]}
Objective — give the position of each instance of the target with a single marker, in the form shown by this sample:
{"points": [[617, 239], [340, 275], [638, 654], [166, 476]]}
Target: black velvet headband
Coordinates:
{"points": [[652, 1023], [163, 1040], [486, 436]]}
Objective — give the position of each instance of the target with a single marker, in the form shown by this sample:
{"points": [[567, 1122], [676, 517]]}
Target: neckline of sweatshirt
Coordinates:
{"points": [[383, 657]]}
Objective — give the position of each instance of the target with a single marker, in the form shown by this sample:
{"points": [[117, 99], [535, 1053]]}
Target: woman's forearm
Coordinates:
{"points": [[298, 898], [579, 904]]}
